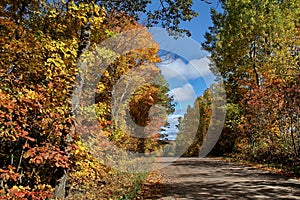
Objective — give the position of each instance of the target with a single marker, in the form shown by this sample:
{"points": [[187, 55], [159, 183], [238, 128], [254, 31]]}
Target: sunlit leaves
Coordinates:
{"points": [[40, 45], [36, 78]]}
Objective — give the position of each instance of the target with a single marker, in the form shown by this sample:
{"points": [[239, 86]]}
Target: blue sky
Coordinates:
{"points": [[199, 25], [185, 66]]}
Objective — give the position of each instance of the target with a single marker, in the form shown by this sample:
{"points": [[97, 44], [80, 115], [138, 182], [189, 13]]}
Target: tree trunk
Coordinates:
{"points": [[84, 45], [60, 188]]}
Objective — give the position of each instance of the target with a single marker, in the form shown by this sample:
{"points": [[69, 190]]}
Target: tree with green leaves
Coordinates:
{"points": [[255, 47], [251, 39]]}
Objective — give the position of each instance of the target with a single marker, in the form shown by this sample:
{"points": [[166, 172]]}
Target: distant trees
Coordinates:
{"points": [[193, 126]]}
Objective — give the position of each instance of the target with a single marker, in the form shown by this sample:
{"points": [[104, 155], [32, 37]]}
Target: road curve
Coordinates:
{"points": [[206, 178]]}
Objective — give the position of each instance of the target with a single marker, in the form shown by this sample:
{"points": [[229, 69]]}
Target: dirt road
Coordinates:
{"points": [[196, 178]]}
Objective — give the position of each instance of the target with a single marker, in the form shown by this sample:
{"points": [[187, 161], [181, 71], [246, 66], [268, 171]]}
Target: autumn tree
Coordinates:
{"points": [[200, 127], [42, 43], [142, 106], [254, 45], [36, 79]]}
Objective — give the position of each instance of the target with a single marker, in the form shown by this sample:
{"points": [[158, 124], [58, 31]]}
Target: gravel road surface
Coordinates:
{"points": [[206, 178]]}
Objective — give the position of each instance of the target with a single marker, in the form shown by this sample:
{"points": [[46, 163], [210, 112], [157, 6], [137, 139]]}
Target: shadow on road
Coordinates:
{"points": [[195, 178]]}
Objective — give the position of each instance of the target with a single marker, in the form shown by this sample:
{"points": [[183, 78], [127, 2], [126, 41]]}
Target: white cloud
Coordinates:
{"points": [[201, 65], [173, 119], [172, 130], [184, 93], [178, 69]]}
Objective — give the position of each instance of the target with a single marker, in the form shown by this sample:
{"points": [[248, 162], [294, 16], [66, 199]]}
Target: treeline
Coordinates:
{"points": [[254, 47], [46, 51]]}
